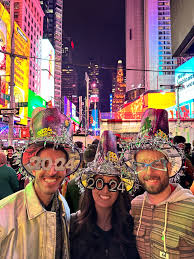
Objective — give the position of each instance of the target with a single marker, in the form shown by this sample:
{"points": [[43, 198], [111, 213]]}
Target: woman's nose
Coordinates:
{"points": [[105, 189]]}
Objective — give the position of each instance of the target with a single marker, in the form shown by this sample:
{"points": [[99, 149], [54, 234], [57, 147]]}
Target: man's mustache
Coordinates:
{"points": [[147, 178]]}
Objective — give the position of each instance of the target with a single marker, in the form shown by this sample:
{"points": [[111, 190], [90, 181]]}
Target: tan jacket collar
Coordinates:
{"points": [[33, 205]]}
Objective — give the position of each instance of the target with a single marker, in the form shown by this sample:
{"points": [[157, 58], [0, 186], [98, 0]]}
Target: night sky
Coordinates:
{"points": [[97, 28]]}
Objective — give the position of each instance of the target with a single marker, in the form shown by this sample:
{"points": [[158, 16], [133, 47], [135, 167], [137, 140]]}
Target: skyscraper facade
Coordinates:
{"points": [[156, 59], [69, 83], [29, 15], [120, 90], [94, 82], [53, 10], [135, 49]]}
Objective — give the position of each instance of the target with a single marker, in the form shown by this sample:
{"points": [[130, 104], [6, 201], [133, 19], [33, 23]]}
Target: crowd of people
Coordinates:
{"points": [[105, 200]]}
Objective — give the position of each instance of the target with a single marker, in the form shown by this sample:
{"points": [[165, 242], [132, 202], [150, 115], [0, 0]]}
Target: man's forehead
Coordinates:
{"points": [[47, 152], [147, 152]]}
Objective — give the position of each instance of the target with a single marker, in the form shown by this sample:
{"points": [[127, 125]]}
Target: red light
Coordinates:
{"points": [[72, 44]]}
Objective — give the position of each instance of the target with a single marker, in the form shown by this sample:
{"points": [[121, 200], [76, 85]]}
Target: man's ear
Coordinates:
{"points": [[34, 172], [169, 168]]}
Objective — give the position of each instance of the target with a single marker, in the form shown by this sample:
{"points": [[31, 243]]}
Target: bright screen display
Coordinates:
{"points": [[47, 70], [21, 73], [184, 76], [34, 101]]}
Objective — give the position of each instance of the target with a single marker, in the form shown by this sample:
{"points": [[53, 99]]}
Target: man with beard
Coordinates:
{"points": [[34, 222], [163, 215]]}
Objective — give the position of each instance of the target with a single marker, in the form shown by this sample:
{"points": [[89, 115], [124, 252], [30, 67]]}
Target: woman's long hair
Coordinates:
{"points": [[121, 220]]}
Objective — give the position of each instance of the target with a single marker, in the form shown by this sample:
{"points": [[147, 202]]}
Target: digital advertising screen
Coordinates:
{"points": [[21, 73], [47, 70], [94, 124], [5, 45], [22, 47], [34, 101], [184, 77]]}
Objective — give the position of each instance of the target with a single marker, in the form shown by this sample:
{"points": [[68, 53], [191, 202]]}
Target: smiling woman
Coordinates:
{"points": [[103, 227]]}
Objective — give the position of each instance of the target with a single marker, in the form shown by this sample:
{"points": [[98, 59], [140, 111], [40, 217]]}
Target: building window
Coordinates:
{"points": [[130, 34], [16, 15], [16, 5]]}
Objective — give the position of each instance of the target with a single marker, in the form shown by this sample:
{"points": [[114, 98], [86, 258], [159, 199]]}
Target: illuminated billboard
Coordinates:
{"points": [[110, 98], [186, 110], [161, 100], [95, 121], [5, 45], [47, 70], [34, 101], [21, 73], [132, 110], [184, 76], [67, 107], [22, 47]]}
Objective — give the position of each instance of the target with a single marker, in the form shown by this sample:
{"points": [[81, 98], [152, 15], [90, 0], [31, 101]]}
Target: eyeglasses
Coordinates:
{"points": [[156, 165], [99, 184]]}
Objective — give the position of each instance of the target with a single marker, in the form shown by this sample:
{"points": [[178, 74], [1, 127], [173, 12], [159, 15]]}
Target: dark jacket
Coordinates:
{"points": [[8, 181], [98, 244], [72, 195]]}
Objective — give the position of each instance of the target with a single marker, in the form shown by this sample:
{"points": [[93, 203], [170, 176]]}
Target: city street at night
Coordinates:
{"points": [[96, 129]]}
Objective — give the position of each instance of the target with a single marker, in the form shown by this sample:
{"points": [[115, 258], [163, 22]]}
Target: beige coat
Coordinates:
{"points": [[27, 230]]}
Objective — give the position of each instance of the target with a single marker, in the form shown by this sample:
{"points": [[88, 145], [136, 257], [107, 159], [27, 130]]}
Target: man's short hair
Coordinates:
{"points": [[10, 147], [79, 144], [179, 139], [49, 145]]}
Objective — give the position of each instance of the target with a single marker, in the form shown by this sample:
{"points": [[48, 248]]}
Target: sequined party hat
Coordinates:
{"points": [[154, 135]]}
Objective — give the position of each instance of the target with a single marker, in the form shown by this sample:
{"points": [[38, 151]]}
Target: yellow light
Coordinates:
{"points": [[161, 100]]}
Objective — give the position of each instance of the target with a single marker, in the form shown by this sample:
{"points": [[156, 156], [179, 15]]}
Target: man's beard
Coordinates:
{"points": [[160, 188]]}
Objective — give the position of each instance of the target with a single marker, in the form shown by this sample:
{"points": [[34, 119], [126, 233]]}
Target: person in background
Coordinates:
{"points": [[186, 180], [72, 194], [34, 222], [103, 227], [8, 178], [80, 145], [188, 151], [163, 215], [12, 161]]}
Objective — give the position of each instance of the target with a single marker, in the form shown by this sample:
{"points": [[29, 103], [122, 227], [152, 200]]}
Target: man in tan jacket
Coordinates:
{"points": [[34, 222]]}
